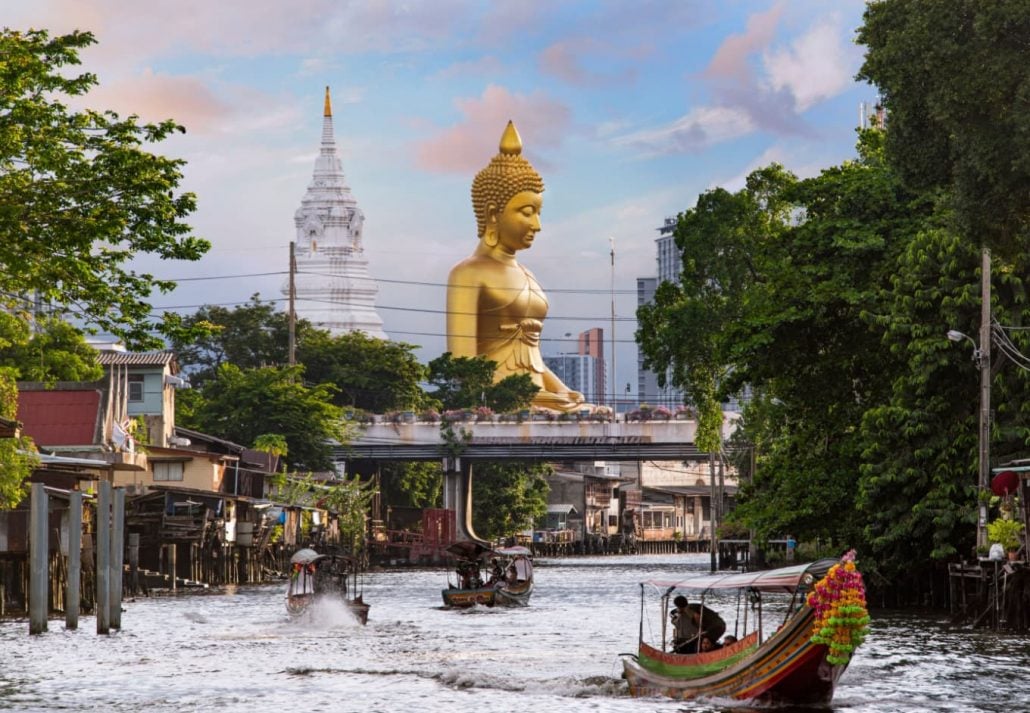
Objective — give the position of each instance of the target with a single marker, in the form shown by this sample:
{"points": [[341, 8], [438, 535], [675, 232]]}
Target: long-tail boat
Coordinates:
{"points": [[509, 580], [315, 576], [797, 662]]}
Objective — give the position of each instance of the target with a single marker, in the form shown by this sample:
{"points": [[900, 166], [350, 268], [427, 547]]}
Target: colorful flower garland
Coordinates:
{"points": [[841, 618]]}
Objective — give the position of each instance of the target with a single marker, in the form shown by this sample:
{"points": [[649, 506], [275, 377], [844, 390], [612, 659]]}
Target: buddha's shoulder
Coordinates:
{"points": [[470, 268]]}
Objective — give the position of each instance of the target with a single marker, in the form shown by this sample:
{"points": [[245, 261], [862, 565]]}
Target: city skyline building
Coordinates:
{"points": [[584, 371], [669, 265], [333, 287]]}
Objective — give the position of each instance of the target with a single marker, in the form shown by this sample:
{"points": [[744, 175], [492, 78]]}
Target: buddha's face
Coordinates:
{"points": [[519, 222]]}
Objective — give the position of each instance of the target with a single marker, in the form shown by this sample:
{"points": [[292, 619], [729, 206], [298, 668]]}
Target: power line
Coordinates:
{"points": [[420, 283], [384, 307]]}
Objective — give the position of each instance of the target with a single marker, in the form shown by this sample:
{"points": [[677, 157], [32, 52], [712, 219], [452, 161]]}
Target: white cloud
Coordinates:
{"points": [[816, 66], [703, 127]]}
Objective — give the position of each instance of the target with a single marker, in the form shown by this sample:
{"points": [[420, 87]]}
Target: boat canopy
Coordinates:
{"points": [[784, 579], [468, 549], [514, 551], [306, 556]]}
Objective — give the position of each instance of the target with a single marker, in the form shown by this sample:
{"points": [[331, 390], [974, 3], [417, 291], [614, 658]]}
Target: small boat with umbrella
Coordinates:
{"points": [[318, 576], [489, 577]]}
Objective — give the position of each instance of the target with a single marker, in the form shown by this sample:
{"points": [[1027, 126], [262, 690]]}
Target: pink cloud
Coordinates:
{"points": [[156, 97], [148, 29], [467, 146], [565, 60], [730, 60]]}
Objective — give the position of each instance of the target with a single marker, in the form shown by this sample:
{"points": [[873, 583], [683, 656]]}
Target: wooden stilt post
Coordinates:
{"points": [[38, 570], [73, 587], [103, 526], [117, 557], [134, 563]]}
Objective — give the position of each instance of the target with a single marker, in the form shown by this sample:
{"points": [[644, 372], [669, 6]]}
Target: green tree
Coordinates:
{"points": [[371, 374], [784, 288], [416, 485], [79, 196], [507, 497], [242, 404], [467, 382], [17, 455], [252, 335], [376, 375], [55, 352], [953, 78]]}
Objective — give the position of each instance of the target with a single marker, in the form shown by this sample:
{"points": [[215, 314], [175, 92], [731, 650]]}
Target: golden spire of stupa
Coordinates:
{"points": [[329, 105]]}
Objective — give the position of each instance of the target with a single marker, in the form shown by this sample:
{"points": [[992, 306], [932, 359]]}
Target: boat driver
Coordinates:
{"points": [[684, 638]]}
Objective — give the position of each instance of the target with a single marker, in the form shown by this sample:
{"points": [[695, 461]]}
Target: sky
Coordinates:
{"points": [[628, 109]]}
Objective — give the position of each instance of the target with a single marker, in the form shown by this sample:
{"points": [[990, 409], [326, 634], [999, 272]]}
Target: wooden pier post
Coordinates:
{"points": [[103, 527], [134, 563], [73, 587], [38, 570], [117, 557]]}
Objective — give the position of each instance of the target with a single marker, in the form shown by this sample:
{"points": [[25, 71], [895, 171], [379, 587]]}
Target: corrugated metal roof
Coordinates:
{"points": [[156, 358], [59, 418]]}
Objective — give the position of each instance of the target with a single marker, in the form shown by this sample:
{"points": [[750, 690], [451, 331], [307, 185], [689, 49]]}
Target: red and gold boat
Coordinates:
{"points": [[797, 662]]}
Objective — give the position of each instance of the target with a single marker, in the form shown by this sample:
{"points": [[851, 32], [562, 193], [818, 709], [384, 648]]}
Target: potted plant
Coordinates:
{"points": [[1007, 533], [431, 415], [484, 413]]}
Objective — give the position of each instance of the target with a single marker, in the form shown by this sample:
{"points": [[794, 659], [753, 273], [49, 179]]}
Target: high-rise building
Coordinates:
{"points": [[334, 289], [647, 380], [591, 343], [670, 264], [584, 371]]}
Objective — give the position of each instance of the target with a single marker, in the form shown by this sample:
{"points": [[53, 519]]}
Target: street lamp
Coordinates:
{"points": [[982, 358]]}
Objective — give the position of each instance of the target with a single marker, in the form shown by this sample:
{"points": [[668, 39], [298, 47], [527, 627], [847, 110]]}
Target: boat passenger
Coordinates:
{"points": [[728, 639], [684, 639], [708, 622]]}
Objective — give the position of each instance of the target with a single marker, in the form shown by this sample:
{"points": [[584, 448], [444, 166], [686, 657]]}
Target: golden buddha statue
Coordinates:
{"points": [[495, 307]]}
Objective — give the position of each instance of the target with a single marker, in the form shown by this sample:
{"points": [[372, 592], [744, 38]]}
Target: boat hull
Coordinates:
{"points": [[298, 604], [787, 668], [487, 596]]}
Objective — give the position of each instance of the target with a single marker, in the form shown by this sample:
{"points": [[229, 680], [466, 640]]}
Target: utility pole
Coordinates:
{"points": [[293, 299], [985, 397], [615, 388]]}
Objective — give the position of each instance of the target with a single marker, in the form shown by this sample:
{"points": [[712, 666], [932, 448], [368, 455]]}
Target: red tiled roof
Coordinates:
{"points": [[59, 418]]}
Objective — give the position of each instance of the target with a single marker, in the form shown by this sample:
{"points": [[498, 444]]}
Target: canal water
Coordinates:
{"points": [[236, 650]]}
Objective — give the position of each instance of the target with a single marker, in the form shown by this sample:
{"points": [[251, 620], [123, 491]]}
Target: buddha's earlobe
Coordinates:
{"points": [[490, 232], [490, 236]]}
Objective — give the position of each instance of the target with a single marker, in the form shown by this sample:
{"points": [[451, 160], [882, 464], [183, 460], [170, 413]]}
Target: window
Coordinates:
{"points": [[136, 387], [167, 470]]}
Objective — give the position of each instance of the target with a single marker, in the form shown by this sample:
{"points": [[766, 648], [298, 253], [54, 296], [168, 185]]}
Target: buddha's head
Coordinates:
{"points": [[506, 176]]}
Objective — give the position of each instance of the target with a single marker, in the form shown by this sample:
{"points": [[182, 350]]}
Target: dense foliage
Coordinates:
{"points": [[55, 351], [241, 405], [79, 195], [468, 382], [17, 455], [507, 497], [953, 75], [831, 298]]}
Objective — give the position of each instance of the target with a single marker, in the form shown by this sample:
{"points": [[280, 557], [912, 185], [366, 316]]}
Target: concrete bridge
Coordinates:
{"points": [[529, 440]]}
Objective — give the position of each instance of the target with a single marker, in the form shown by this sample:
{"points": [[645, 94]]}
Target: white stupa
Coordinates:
{"points": [[334, 289]]}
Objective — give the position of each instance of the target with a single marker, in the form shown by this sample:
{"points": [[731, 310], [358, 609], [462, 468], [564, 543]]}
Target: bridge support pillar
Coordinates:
{"points": [[457, 496]]}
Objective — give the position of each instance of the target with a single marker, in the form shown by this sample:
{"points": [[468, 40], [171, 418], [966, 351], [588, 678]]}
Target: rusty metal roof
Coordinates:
{"points": [[60, 418], [155, 358]]}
